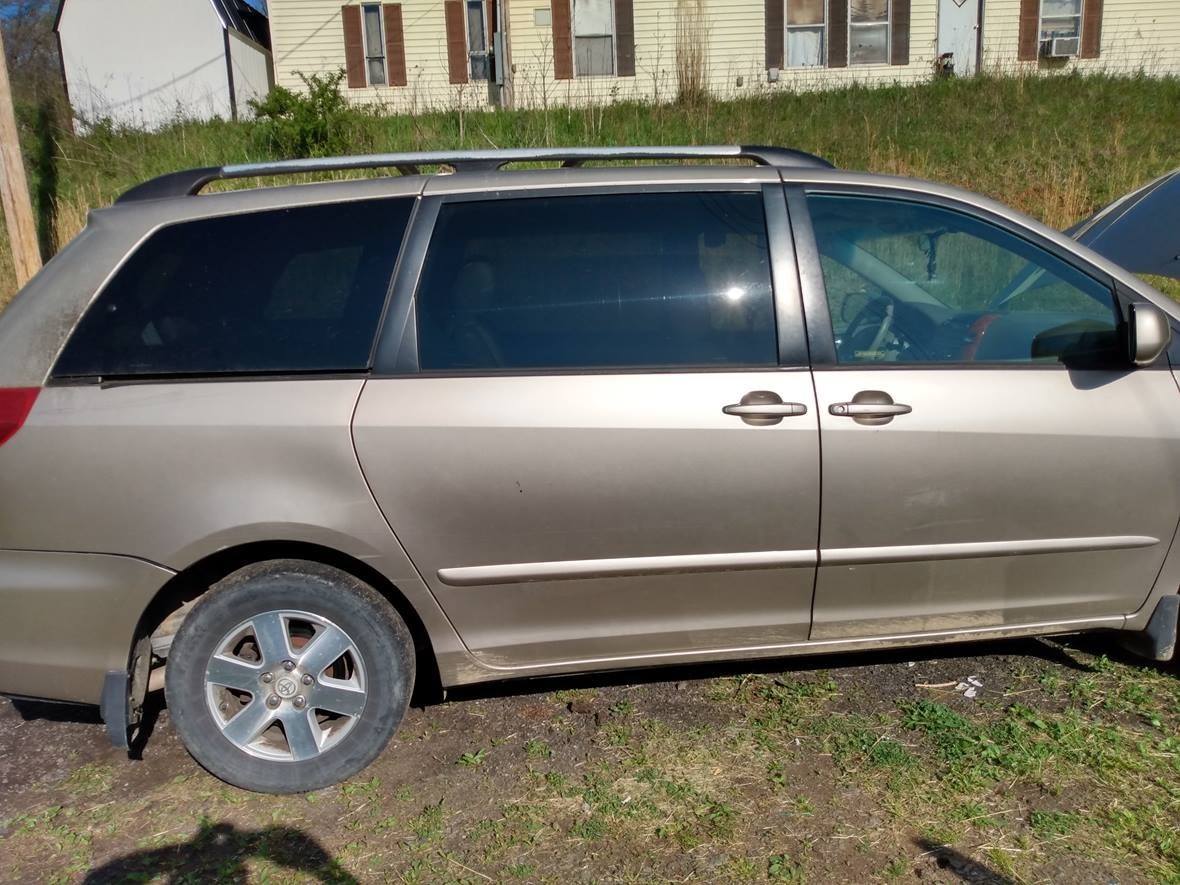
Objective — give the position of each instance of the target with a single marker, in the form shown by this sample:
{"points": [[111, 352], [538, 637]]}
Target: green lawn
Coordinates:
{"points": [[1056, 147]]}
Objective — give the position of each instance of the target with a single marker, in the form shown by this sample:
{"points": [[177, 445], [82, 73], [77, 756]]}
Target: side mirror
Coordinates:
{"points": [[1150, 332]]}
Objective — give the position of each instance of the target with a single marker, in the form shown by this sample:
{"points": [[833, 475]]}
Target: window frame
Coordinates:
{"points": [[1042, 39], [887, 24], [820, 332], [266, 205], [614, 55], [487, 39], [823, 28], [370, 57], [397, 344]]}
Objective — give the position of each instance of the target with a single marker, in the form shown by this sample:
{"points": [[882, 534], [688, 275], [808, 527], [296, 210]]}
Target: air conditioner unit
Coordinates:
{"points": [[1060, 47]]}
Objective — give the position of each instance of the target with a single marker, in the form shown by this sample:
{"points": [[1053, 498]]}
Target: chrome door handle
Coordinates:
{"points": [[871, 407], [867, 410], [762, 408]]}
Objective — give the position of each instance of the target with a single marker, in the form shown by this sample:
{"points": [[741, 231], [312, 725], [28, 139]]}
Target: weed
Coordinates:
{"points": [[427, 826], [534, 748], [781, 868], [896, 868], [591, 828], [473, 758], [622, 708], [1052, 823]]}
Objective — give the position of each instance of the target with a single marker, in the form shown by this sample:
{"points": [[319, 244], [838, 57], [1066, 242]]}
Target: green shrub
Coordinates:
{"points": [[314, 123]]}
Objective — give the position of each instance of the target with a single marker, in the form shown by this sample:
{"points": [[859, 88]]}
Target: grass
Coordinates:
{"points": [[1067, 767], [1056, 147], [774, 777]]}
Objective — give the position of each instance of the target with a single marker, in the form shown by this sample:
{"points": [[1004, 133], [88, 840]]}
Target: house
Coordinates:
{"points": [[145, 63], [420, 54]]}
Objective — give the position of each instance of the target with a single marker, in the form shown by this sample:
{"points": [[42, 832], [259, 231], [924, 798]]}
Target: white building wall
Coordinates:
{"points": [[252, 71], [144, 63], [735, 52], [1137, 35], [307, 36]]}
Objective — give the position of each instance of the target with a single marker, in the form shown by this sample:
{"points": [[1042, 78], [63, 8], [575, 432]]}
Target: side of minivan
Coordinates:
{"points": [[297, 448]]}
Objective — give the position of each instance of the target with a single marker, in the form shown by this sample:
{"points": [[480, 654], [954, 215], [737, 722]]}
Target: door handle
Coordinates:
{"points": [[762, 408], [870, 407]]}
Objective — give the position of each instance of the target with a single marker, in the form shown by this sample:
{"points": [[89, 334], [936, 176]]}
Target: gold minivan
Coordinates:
{"points": [[286, 451]]}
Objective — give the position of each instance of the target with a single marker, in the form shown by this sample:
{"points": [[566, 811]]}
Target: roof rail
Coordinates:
{"points": [[191, 181]]}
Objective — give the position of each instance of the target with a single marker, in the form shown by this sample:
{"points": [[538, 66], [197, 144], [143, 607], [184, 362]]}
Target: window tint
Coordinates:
{"points": [[909, 282], [292, 290], [623, 280]]}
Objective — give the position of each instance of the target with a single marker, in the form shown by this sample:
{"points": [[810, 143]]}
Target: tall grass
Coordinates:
{"points": [[1056, 147]]}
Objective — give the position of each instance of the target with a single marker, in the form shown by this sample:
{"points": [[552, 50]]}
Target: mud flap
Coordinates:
{"points": [[1157, 641], [123, 693]]}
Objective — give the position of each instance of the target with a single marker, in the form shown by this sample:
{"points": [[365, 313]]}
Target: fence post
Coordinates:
{"points": [[14, 186]]}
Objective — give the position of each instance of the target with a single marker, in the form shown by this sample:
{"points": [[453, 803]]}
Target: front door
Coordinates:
{"points": [[990, 456], [958, 34], [600, 458]]}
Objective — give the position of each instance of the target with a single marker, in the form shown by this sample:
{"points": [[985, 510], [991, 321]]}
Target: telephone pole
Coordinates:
{"points": [[14, 186]]}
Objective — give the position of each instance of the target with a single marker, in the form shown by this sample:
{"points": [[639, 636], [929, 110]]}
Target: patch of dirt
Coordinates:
{"points": [[656, 775]]}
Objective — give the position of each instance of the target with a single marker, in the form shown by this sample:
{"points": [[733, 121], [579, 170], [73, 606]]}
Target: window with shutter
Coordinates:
{"points": [[374, 44], [807, 31], [594, 38], [868, 32]]}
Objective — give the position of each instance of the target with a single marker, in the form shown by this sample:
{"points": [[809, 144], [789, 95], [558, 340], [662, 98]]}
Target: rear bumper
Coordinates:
{"points": [[68, 618]]}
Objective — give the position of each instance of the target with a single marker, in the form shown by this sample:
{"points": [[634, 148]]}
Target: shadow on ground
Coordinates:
{"points": [[220, 851], [960, 865], [1052, 651]]}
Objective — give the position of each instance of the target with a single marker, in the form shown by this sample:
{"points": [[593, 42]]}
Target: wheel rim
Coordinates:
{"points": [[286, 685]]}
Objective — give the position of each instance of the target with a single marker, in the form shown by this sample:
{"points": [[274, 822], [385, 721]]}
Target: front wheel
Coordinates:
{"points": [[289, 676]]}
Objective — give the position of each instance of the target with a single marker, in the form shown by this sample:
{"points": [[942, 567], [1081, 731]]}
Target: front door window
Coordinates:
{"points": [[911, 282]]}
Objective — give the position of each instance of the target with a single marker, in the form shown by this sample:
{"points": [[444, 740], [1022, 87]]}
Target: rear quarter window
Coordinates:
{"points": [[290, 290]]}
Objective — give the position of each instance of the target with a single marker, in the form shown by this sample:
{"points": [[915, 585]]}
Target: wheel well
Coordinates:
{"points": [[190, 584]]}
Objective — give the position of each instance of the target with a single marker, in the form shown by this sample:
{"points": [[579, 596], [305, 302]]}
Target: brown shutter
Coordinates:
{"points": [[395, 44], [456, 41], [624, 38], [354, 47], [899, 39], [774, 34], [1091, 29], [838, 33], [1030, 30], [563, 40]]}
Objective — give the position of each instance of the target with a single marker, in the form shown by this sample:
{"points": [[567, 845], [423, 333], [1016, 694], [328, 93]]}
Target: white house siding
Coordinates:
{"points": [[144, 63], [307, 37], [251, 69], [1137, 35], [736, 52]]}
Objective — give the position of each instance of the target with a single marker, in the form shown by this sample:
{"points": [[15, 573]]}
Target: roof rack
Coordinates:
{"points": [[191, 181]]}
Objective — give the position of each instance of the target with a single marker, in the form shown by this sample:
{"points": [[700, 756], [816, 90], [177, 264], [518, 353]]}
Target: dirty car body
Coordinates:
{"points": [[298, 446]]}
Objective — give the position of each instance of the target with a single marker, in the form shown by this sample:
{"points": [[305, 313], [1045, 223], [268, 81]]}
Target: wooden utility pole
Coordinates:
{"points": [[14, 186]]}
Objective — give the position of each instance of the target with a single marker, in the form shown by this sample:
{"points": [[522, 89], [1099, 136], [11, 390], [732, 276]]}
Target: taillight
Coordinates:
{"points": [[15, 405]]}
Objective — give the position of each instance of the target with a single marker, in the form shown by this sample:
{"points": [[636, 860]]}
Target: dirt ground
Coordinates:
{"points": [[1009, 762]]}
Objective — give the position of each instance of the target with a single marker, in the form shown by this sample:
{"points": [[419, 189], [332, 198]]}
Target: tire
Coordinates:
{"points": [[262, 645]]}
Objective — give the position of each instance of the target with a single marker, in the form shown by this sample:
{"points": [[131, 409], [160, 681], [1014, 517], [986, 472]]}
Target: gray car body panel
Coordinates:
{"points": [[69, 618], [171, 473], [164, 474]]}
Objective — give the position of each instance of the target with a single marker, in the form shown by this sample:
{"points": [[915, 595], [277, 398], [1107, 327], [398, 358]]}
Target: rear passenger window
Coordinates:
{"points": [[616, 280], [292, 290]]}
